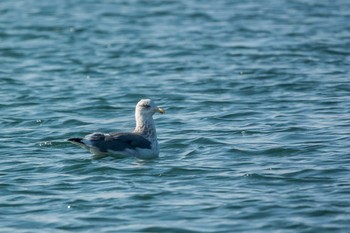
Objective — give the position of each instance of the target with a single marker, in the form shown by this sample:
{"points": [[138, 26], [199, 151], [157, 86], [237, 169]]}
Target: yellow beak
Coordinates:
{"points": [[161, 111]]}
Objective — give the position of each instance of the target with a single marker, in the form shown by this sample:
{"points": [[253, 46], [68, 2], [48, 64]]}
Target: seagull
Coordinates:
{"points": [[142, 143]]}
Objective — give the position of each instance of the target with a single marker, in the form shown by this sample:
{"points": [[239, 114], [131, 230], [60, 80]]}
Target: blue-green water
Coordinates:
{"points": [[256, 135]]}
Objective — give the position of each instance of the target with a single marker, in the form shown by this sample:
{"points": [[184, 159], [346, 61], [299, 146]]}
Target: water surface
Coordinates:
{"points": [[256, 134]]}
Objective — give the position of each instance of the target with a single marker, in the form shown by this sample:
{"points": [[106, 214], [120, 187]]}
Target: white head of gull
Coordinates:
{"points": [[142, 143]]}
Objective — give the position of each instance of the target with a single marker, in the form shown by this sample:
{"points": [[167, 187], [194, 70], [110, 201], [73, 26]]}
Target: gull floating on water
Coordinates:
{"points": [[142, 143]]}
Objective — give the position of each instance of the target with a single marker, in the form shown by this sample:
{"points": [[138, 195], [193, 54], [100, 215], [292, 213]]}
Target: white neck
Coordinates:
{"points": [[145, 126]]}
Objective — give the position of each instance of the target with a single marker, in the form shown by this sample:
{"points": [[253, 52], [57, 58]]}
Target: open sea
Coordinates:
{"points": [[256, 135]]}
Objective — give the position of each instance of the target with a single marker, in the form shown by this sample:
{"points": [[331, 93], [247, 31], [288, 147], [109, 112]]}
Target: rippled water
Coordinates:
{"points": [[256, 135]]}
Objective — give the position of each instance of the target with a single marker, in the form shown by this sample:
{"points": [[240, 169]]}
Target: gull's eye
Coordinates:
{"points": [[146, 106]]}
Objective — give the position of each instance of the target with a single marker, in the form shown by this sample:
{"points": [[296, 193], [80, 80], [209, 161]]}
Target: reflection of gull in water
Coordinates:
{"points": [[142, 143]]}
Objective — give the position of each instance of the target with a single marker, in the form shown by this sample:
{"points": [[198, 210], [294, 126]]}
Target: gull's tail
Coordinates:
{"points": [[77, 141], [80, 142]]}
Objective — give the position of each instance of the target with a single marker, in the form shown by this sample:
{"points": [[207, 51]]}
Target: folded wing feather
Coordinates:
{"points": [[118, 141]]}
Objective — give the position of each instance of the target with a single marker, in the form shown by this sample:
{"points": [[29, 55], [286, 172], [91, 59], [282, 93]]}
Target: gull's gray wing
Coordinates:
{"points": [[118, 141]]}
